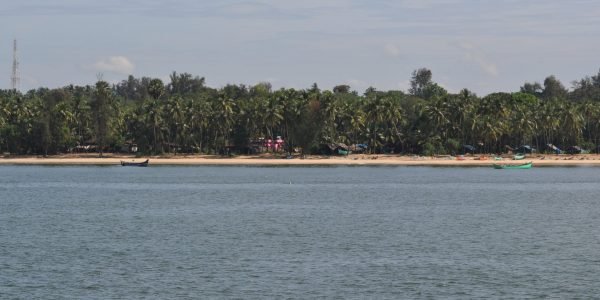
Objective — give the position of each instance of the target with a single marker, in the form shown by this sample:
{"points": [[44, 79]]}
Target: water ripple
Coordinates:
{"points": [[246, 232]]}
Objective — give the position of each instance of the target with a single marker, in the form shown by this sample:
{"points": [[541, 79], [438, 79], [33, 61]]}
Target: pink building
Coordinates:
{"points": [[275, 145]]}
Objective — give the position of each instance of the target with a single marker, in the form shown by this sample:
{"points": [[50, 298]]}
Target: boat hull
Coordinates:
{"points": [[521, 166], [135, 164]]}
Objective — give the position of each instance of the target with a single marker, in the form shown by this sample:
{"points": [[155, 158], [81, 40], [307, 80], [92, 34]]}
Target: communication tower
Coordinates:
{"points": [[14, 79]]}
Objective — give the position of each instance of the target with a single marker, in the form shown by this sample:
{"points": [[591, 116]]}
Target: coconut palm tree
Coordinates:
{"points": [[224, 114], [102, 112], [173, 115], [272, 114], [198, 114], [152, 117], [572, 124]]}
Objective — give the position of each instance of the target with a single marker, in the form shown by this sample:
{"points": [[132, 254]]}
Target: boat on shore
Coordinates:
{"points": [[527, 165], [135, 164]]}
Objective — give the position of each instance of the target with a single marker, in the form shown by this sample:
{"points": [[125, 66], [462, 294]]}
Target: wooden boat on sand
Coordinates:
{"points": [[519, 157], [135, 164]]}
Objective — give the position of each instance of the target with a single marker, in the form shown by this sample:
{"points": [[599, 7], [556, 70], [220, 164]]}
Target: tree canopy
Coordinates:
{"points": [[185, 115]]}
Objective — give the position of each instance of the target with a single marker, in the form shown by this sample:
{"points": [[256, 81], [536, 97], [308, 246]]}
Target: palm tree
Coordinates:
{"points": [[293, 103], [272, 114], [152, 117], [591, 114], [548, 120], [375, 116], [572, 124], [102, 113], [174, 120], [225, 116], [392, 120]]}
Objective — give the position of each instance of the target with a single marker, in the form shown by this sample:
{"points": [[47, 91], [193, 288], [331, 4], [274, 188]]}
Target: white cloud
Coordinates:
{"points": [[392, 50], [115, 64], [473, 54], [488, 67]]}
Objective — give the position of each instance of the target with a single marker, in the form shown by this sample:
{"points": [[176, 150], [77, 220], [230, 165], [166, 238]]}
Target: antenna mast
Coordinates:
{"points": [[14, 79]]}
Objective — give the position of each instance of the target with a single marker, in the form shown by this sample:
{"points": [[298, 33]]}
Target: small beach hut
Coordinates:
{"points": [[358, 148], [525, 149], [509, 149], [554, 149], [334, 148], [574, 150], [468, 149]]}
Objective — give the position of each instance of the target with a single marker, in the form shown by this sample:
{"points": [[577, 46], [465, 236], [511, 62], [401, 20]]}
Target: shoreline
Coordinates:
{"points": [[272, 160]]}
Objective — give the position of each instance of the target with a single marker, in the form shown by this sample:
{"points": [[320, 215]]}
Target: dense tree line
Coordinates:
{"points": [[187, 116]]}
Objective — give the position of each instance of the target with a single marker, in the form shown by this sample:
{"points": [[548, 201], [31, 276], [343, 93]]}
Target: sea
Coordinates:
{"points": [[343, 232]]}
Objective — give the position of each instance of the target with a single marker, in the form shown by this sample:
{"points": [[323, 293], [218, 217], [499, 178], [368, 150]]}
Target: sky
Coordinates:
{"points": [[483, 45]]}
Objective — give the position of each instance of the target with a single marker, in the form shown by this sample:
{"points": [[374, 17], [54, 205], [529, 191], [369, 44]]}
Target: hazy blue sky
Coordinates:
{"points": [[483, 45]]}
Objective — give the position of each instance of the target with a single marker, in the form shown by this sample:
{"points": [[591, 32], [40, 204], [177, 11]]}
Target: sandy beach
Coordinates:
{"points": [[278, 160]]}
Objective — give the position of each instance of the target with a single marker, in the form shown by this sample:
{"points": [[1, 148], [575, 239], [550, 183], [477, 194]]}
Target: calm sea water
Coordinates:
{"points": [[290, 232]]}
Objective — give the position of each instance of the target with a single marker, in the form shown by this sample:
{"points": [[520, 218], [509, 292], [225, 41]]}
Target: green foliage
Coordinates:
{"points": [[433, 147], [102, 113], [184, 84], [453, 146], [423, 87], [187, 116], [307, 126], [553, 89], [156, 88], [534, 89], [420, 82]]}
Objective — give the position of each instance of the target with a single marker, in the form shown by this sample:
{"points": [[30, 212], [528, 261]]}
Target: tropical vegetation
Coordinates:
{"points": [[185, 115]]}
